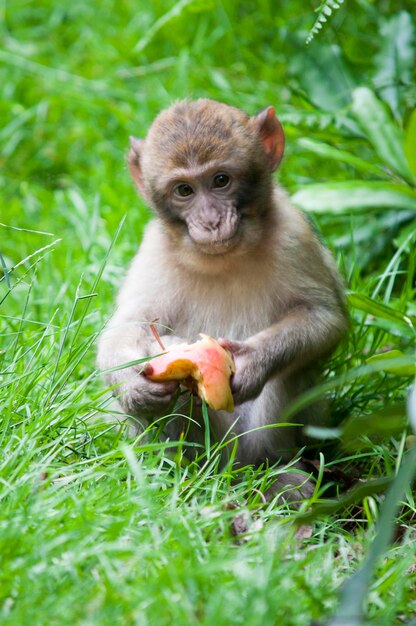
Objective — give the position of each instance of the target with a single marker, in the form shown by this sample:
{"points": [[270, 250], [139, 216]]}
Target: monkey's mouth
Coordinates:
{"points": [[216, 246], [215, 241]]}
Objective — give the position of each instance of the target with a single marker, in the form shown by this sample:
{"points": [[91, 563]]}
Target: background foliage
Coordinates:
{"points": [[97, 528]]}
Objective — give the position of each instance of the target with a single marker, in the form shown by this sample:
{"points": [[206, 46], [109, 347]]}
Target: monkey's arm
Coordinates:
{"points": [[143, 297], [125, 340], [305, 334]]}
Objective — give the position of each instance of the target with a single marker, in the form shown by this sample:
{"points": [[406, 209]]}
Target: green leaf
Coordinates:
{"points": [[385, 422], [325, 8], [366, 304], [410, 142], [357, 494], [329, 152], [379, 231], [395, 59], [354, 195], [322, 433], [325, 77], [395, 368], [383, 134]]}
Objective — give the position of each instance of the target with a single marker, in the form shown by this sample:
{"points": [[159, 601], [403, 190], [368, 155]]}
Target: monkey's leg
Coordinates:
{"points": [[293, 485], [262, 437]]}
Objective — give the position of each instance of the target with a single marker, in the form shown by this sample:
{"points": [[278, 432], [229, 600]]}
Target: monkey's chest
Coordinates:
{"points": [[232, 311]]}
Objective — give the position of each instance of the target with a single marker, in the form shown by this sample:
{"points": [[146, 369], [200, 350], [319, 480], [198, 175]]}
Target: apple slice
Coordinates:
{"points": [[206, 362]]}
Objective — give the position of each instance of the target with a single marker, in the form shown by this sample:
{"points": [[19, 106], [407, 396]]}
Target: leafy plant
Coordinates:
{"points": [[393, 182], [324, 10]]}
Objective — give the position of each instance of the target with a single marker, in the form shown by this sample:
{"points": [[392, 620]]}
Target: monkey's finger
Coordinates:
{"points": [[231, 346], [147, 370]]}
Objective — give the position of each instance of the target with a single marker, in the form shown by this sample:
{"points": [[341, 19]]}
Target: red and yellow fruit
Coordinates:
{"points": [[206, 363]]}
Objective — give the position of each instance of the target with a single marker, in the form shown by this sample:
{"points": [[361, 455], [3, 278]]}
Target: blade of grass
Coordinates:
{"points": [[351, 608], [5, 271], [207, 433], [352, 596], [97, 279]]}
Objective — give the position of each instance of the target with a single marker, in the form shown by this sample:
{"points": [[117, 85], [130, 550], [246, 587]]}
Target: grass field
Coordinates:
{"points": [[98, 528]]}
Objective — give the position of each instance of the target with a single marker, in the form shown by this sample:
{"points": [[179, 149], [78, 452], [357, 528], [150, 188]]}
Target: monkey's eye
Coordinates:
{"points": [[221, 180], [183, 190]]}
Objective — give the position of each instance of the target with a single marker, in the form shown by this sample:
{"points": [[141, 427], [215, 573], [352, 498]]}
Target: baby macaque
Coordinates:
{"points": [[226, 255]]}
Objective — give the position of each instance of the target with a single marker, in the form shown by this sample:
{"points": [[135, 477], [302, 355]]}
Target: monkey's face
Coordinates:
{"points": [[215, 208], [203, 204], [205, 168]]}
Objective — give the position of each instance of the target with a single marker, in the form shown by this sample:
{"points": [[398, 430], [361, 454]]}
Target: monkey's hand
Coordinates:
{"points": [[250, 371], [141, 397]]}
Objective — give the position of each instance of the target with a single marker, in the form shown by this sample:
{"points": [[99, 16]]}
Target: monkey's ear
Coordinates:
{"points": [[271, 135], [136, 144], [133, 160]]}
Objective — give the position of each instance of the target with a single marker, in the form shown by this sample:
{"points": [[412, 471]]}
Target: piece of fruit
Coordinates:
{"points": [[206, 362]]}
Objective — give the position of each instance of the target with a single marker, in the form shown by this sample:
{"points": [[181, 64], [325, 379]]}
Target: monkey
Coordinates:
{"points": [[228, 255]]}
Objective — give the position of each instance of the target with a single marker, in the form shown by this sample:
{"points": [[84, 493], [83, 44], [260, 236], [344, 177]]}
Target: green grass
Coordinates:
{"points": [[97, 528]]}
